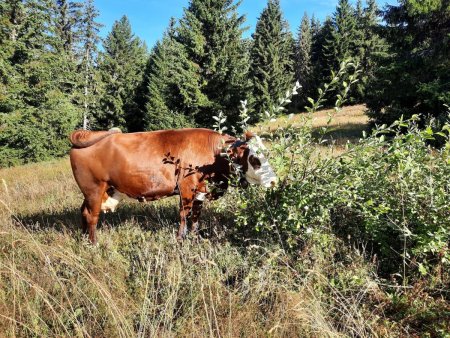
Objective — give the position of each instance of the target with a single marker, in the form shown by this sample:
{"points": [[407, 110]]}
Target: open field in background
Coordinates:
{"points": [[139, 282], [345, 125]]}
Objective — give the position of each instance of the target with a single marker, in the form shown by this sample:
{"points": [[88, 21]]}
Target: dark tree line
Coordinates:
{"points": [[55, 77], [413, 76]]}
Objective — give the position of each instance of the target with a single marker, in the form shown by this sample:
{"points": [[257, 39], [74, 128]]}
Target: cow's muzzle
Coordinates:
{"points": [[243, 182]]}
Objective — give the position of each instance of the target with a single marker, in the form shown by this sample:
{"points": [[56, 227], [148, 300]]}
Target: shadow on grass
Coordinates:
{"points": [[341, 134], [151, 216]]}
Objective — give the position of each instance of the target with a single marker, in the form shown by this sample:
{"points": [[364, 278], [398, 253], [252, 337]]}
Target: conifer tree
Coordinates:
{"points": [[66, 24], [271, 60], [121, 66], [211, 33], [170, 94], [11, 16], [413, 76], [303, 60], [35, 123], [317, 39], [341, 46], [343, 40], [359, 51], [315, 26], [321, 57], [359, 11], [88, 52], [373, 46]]}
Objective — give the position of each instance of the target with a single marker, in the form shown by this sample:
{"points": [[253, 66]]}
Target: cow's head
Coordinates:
{"points": [[248, 156]]}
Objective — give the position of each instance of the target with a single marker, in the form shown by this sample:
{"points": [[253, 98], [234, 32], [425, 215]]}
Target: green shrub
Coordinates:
{"points": [[390, 189]]}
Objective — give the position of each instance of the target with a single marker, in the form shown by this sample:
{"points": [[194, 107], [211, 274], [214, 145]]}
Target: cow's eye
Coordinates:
{"points": [[255, 162]]}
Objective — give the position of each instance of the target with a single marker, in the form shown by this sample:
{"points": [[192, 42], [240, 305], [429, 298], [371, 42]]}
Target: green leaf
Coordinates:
{"points": [[422, 269]]}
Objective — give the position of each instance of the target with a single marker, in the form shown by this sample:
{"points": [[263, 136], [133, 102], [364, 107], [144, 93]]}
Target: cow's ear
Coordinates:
{"points": [[248, 135], [228, 139]]}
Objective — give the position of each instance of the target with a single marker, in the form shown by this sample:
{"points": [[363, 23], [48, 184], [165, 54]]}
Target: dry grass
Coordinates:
{"points": [[143, 284], [139, 281], [38, 187], [348, 118], [337, 128]]}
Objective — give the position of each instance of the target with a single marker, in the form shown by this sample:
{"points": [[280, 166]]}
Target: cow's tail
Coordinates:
{"points": [[86, 138]]}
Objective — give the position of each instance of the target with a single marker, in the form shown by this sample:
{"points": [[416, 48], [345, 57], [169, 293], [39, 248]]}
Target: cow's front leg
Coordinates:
{"points": [[187, 197], [192, 195], [196, 210], [185, 210], [201, 194]]}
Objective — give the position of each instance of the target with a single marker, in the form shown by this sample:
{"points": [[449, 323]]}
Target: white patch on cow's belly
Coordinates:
{"points": [[200, 196], [113, 201]]}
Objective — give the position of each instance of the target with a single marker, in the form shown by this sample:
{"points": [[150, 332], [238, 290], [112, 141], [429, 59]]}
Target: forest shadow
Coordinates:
{"points": [[339, 135]]}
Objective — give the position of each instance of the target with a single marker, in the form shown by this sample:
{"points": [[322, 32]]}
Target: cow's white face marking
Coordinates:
{"points": [[113, 201], [262, 174]]}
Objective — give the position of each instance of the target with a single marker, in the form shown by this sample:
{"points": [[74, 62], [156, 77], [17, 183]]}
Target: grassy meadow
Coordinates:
{"points": [[139, 282]]}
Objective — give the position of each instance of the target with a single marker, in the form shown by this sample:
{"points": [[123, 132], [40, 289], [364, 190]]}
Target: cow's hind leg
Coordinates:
{"points": [[91, 210], [84, 224]]}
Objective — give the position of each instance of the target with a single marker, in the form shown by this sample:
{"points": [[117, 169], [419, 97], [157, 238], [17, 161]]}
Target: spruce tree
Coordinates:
{"points": [[322, 59], [170, 96], [271, 60], [360, 52], [373, 46], [341, 46], [12, 14], [342, 41], [413, 76], [359, 11], [121, 66], [315, 26], [67, 21], [211, 32], [303, 60], [35, 123], [88, 52]]}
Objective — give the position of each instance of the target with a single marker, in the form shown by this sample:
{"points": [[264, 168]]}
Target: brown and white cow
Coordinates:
{"points": [[109, 165]]}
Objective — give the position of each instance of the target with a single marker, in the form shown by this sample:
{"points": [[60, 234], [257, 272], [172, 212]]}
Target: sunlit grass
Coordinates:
{"points": [[347, 116]]}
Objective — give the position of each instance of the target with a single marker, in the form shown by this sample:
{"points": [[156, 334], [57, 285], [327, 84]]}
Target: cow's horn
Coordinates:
{"points": [[248, 135]]}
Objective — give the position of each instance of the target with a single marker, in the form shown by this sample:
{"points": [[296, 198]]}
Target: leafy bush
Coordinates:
{"points": [[390, 189]]}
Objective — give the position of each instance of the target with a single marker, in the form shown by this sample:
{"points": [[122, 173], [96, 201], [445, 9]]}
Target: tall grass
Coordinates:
{"points": [[140, 282]]}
